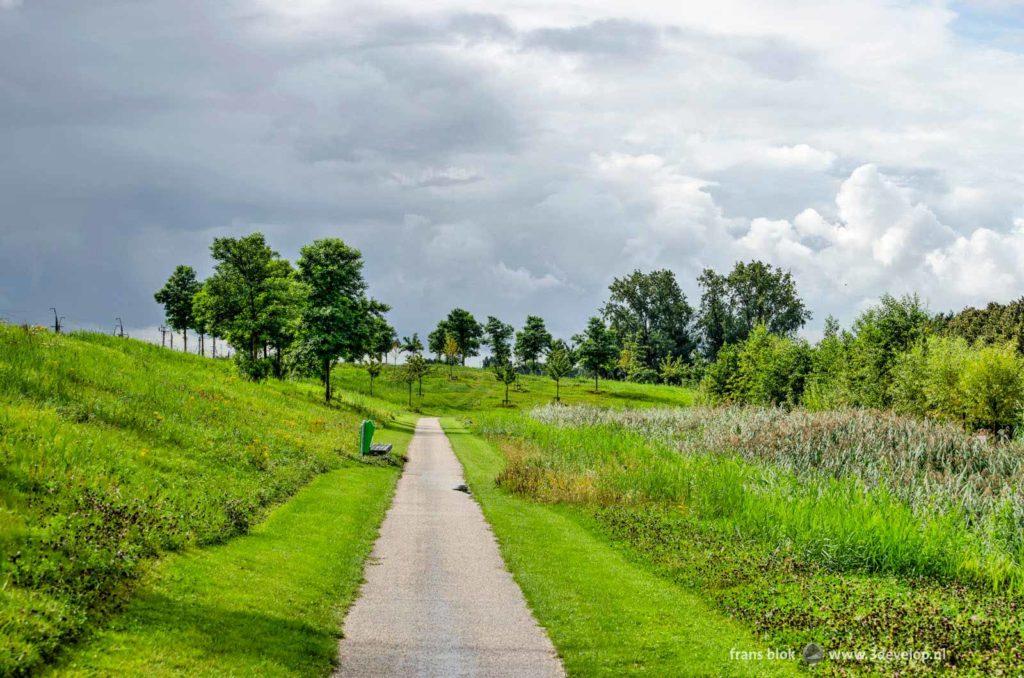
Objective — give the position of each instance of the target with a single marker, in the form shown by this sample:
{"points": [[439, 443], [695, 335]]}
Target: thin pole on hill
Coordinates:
{"points": [[56, 321], [163, 336], [119, 331]]}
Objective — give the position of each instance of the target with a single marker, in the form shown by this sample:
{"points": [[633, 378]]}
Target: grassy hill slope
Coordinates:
{"points": [[114, 451], [475, 389]]}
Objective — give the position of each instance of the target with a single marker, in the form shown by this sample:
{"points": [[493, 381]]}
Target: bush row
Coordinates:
{"points": [[893, 357]]}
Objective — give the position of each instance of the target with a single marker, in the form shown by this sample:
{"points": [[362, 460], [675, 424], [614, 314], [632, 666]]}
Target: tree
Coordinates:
{"points": [[672, 370], [338, 318], [630, 364], [244, 293], [211, 313], [559, 364], [282, 312], [498, 336], [994, 324], [532, 342], [451, 353], [765, 369], [177, 295], [880, 334], [506, 373], [382, 338], [461, 324], [436, 339], [413, 371], [596, 349], [651, 310], [412, 344], [753, 294], [761, 294], [714, 319], [373, 367]]}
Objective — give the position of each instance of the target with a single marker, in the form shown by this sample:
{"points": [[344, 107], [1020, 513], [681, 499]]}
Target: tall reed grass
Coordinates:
{"points": [[852, 490]]}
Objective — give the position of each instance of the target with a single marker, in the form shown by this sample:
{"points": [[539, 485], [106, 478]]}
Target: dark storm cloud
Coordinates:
{"points": [[134, 133], [510, 159]]}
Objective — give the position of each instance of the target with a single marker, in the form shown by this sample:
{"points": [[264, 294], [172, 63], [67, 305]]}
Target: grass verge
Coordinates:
{"points": [[114, 452], [268, 603], [605, 614]]}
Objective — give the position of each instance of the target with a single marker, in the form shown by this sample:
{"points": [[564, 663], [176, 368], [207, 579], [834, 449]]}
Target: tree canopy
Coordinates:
{"points": [[498, 336], [466, 331], [338, 319], [532, 342], [752, 294], [176, 296], [651, 311], [596, 349]]}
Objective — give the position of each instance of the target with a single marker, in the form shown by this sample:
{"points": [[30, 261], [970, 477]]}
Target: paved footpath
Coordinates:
{"points": [[438, 600]]}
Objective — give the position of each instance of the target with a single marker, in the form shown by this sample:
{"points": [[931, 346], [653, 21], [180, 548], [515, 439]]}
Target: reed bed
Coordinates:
{"points": [[854, 490]]}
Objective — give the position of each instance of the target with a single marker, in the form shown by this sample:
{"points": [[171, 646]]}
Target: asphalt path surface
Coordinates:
{"points": [[438, 600]]}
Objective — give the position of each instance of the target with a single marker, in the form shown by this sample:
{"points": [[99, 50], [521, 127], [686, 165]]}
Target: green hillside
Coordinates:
{"points": [[115, 451], [469, 389]]}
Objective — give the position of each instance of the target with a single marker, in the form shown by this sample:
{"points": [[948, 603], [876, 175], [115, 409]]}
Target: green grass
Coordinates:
{"points": [[605, 614], [115, 452], [797, 557], [476, 389], [269, 603]]}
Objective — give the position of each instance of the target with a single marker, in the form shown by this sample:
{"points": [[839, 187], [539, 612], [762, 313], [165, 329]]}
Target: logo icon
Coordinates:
{"points": [[813, 653]]}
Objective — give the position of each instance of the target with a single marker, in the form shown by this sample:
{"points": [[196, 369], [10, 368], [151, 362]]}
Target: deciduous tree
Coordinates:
{"points": [[596, 349], [558, 365], [498, 336], [650, 310], [337, 318], [532, 342], [373, 368], [176, 296], [467, 332], [451, 353]]}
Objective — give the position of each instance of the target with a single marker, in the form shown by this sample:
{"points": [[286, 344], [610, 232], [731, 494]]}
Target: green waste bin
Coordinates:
{"points": [[366, 436]]}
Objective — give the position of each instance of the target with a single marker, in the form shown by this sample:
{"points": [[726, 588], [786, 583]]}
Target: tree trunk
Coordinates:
{"points": [[410, 395], [214, 345], [557, 397], [595, 383], [184, 337], [506, 393], [421, 386], [327, 380], [202, 345]]}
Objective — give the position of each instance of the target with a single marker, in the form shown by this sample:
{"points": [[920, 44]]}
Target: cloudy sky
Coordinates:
{"points": [[512, 157]]}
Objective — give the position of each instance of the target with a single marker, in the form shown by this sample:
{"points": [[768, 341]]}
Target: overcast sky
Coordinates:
{"points": [[513, 157]]}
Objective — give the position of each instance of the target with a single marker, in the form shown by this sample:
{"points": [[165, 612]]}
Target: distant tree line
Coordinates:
{"points": [[739, 343], [646, 332]]}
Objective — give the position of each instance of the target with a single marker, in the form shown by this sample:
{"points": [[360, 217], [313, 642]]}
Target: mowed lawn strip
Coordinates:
{"points": [[605, 614], [268, 603]]}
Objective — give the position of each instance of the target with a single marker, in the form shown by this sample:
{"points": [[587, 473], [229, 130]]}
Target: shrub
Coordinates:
{"points": [[979, 387], [992, 388], [879, 335], [765, 369]]}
